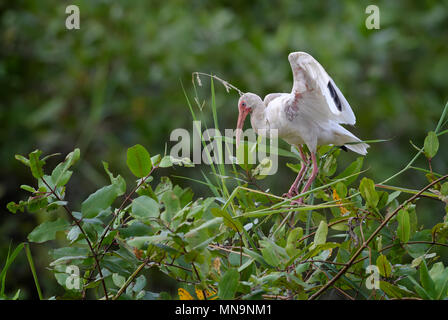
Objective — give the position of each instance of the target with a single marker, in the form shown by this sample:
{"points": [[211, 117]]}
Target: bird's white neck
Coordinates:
{"points": [[258, 118]]}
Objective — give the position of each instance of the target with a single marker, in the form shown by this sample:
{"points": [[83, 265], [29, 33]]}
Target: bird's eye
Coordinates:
{"points": [[243, 104]]}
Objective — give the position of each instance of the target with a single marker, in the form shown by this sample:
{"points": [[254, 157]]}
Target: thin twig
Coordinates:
{"points": [[225, 83], [130, 279], [228, 250], [109, 226], [204, 293], [89, 243], [400, 244]]}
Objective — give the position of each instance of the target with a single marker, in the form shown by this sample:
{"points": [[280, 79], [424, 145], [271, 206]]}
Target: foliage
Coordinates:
{"points": [[244, 243]]}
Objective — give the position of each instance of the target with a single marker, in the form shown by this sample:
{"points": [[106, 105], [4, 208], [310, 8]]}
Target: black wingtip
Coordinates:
{"points": [[334, 95], [344, 148]]}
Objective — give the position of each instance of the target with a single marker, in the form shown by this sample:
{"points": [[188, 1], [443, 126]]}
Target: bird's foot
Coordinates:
{"points": [[292, 194], [297, 201], [289, 194]]}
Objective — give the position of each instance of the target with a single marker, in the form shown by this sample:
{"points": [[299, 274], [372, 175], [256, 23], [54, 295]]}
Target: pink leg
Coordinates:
{"points": [[295, 186], [313, 173], [305, 167], [310, 180]]}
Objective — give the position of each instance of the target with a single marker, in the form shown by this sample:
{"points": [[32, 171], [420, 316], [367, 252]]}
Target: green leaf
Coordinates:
{"points": [[35, 204], [234, 224], [293, 237], [22, 159], [330, 165], [135, 229], [74, 234], [416, 250], [413, 221], [98, 201], [354, 167], [228, 284], [47, 230], [142, 242], [341, 189], [91, 232], [14, 207], [68, 251], [9, 260], [383, 197], [139, 284], [404, 226], [416, 262], [443, 290], [368, 192], [263, 169], [426, 280], [339, 223], [145, 208], [317, 249], [118, 182], [186, 162], [421, 292], [67, 260], [61, 175], [294, 167], [155, 160], [257, 257], [379, 243], [321, 235], [28, 188], [273, 253], [394, 291], [438, 274], [247, 264], [440, 231], [172, 205], [139, 161], [431, 144], [118, 280], [384, 266], [444, 189], [166, 162], [36, 164], [207, 224], [164, 185]]}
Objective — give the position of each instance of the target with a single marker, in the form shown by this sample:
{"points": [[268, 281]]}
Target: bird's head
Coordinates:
{"points": [[247, 104]]}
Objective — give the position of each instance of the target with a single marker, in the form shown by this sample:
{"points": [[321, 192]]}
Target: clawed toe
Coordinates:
{"points": [[289, 195], [297, 201]]}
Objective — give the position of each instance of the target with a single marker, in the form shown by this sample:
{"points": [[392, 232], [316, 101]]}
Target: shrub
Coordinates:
{"points": [[241, 243]]}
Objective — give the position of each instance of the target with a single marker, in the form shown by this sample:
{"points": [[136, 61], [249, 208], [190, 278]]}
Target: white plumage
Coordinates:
{"points": [[311, 114]]}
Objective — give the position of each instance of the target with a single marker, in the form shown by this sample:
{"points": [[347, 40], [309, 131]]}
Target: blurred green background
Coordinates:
{"points": [[117, 82]]}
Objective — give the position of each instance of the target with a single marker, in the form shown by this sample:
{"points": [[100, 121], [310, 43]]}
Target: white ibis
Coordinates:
{"points": [[310, 115]]}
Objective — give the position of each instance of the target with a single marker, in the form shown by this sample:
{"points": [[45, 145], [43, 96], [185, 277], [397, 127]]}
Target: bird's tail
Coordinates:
{"points": [[350, 141], [360, 147]]}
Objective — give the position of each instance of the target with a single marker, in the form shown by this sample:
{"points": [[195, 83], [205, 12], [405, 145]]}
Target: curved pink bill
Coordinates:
{"points": [[243, 112]]}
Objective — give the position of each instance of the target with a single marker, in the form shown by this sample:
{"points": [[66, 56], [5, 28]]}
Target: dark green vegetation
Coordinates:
{"points": [[116, 83]]}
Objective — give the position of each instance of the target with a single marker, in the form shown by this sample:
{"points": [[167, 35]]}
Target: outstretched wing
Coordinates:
{"points": [[309, 75]]}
